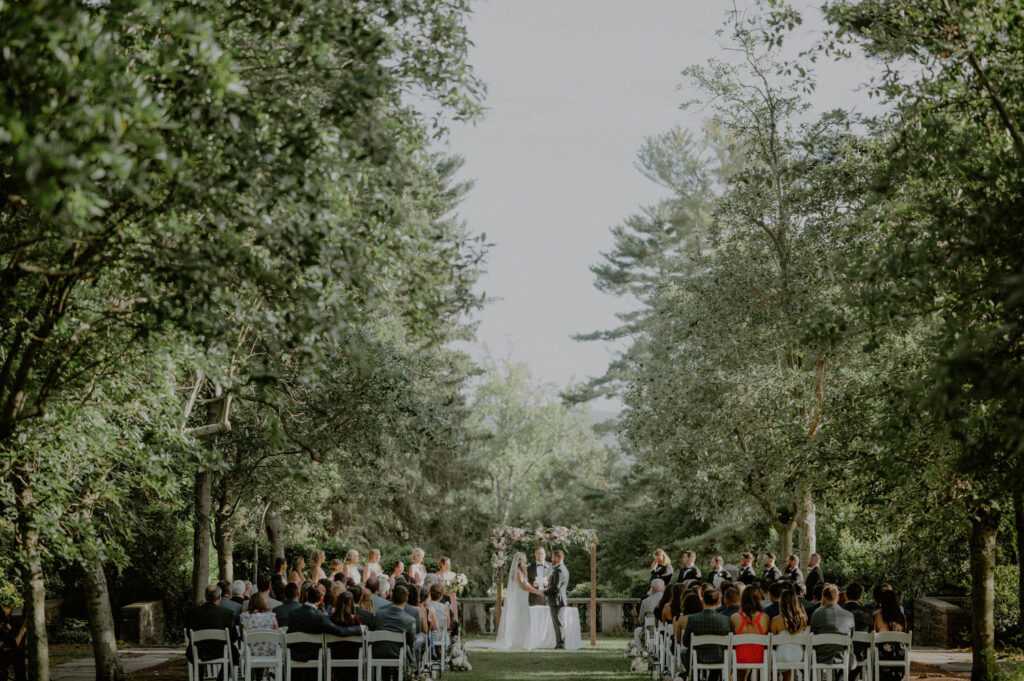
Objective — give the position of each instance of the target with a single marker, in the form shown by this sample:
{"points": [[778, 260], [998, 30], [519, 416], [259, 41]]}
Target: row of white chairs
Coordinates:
{"points": [[224, 668], [660, 639]]}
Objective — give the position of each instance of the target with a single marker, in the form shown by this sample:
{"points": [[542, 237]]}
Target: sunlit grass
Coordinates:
{"points": [[604, 662]]}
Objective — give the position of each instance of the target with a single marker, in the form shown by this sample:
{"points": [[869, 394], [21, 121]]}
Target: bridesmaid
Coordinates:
{"points": [[661, 568], [372, 568], [352, 570], [295, 576], [316, 573], [417, 570]]}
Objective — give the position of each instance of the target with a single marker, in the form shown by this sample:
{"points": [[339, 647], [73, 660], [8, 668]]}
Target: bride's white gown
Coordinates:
{"points": [[514, 627]]}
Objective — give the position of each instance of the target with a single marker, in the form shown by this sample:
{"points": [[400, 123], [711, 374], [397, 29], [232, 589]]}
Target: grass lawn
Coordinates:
{"points": [[604, 662]]}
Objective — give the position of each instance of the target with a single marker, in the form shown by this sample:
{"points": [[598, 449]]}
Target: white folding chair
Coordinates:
{"points": [[251, 661], [843, 666], [865, 666], [803, 666], [225, 668], [696, 642], [649, 632], [291, 664], [892, 638], [333, 663], [439, 639], [762, 667], [375, 665]]}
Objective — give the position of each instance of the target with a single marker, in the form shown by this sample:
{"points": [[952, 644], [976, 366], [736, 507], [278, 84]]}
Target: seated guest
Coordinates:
{"points": [[815, 598], [793, 573], [392, 617], [774, 593], [750, 620], [648, 604], [366, 603], [263, 587], [327, 604], [771, 572], [210, 615], [862, 621], [227, 602], [801, 595], [418, 613], [666, 598], [258, 617], [707, 622], [747, 575], [439, 612], [367, 616], [661, 568], [12, 644], [344, 615], [792, 620], [689, 568], [674, 607], [731, 598], [238, 594], [291, 604], [373, 585], [397, 569], [890, 617], [691, 606], [308, 619], [829, 618]]}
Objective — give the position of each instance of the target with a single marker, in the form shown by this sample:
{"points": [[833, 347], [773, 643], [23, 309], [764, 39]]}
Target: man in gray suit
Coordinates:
{"points": [[831, 619], [392, 617], [263, 586], [234, 606], [555, 592]]}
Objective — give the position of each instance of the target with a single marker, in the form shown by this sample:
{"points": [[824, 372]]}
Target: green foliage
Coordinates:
{"points": [[1007, 602], [69, 630]]}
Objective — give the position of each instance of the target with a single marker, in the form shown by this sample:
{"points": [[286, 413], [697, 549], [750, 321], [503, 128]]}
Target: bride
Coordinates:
{"points": [[514, 627]]}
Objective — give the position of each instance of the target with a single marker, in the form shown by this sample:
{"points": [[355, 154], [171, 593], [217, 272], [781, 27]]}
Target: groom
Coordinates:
{"points": [[555, 592]]}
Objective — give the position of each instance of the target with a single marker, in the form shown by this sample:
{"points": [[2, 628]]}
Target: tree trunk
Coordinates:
{"points": [[275, 531], [101, 623], [34, 608], [1018, 509], [222, 539], [808, 524], [984, 525], [201, 536], [785, 531]]}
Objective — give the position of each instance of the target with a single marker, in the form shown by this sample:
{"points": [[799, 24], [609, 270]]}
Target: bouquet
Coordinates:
{"points": [[456, 582]]}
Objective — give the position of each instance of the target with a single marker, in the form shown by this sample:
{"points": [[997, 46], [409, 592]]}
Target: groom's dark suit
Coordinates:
{"points": [[557, 584], [538, 572]]}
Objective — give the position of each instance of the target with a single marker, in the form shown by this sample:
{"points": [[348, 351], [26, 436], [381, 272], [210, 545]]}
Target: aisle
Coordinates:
{"points": [[605, 662]]}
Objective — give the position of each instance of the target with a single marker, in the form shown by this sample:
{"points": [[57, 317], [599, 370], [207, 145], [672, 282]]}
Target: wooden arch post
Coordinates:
{"points": [[497, 604], [593, 593]]}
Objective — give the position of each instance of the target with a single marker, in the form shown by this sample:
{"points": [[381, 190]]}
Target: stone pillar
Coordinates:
{"points": [[143, 623], [474, 617], [611, 617]]}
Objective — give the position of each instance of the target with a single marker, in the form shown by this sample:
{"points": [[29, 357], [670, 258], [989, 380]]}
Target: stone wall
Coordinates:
{"points": [[613, 614], [939, 623]]}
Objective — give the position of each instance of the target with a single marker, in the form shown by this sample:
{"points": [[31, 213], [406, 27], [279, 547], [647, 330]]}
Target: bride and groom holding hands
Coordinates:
{"points": [[539, 583]]}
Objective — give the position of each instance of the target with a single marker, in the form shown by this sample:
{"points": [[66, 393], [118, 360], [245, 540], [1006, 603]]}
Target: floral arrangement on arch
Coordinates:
{"points": [[503, 538]]}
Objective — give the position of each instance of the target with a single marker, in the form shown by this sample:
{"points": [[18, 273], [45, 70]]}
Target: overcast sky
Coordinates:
{"points": [[574, 87]]}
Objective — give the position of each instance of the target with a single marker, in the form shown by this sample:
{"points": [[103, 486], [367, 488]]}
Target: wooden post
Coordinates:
{"points": [[593, 593], [497, 606]]}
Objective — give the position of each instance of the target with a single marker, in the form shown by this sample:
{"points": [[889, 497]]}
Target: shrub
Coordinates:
{"points": [[69, 630], [1007, 604]]}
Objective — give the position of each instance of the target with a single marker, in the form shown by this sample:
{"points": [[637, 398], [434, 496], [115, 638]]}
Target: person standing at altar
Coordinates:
{"points": [[747, 575], [537, 573], [689, 570], [555, 592], [718, 574]]}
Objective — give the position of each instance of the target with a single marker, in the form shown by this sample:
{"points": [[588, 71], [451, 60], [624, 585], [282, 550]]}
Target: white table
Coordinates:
{"points": [[542, 632]]}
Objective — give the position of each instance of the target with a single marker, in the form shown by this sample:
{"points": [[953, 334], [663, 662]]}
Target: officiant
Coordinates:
{"points": [[537, 573]]}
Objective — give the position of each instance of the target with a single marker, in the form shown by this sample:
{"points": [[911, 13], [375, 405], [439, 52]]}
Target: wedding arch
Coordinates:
{"points": [[508, 537]]}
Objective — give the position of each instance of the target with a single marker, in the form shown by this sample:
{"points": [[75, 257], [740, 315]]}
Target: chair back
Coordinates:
{"points": [[302, 637], [385, 637], [785, 638], [862, 636], [262, 636], [903, 637], [200, 635], [830, 640]]}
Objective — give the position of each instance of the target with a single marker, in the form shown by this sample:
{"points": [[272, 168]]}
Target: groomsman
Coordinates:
{"points": [[814, 575], [793, 573], [690, 570], [771, 572], [537, 573], [747, 575], [718, 575]]}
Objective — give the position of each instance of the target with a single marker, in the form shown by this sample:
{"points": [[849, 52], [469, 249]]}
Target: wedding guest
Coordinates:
{"points": [[393, 617], [238, 593], [367, 616], [731, 600], [373, 585], [327, 605], [397, 570], [816, 598], [439, 615], [862, 621], [661, 568], [691, 606], [316, 573], [774, 593], [674, 607], [666, 598], [648, 604], [417, 610], [689, 569], [747, 575], [771, 571], [793, 573], [791, 619], [718, 574], [373, 568], [417, 570], [345, 615], [291, 604], [262, 587], [248, 591], [295, 576], [12, 645], [366, 602], [308, 619], [829, 618], [750, 620], [279, 577], [210, 615], [258, 617], [335, 570], [227, 603], [444, 571], [707, 622], [890, 617], [814, 574], [352, 568]]}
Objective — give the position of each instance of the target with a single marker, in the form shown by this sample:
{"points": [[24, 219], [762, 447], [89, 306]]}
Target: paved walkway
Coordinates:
{"points": [[133, 660]]}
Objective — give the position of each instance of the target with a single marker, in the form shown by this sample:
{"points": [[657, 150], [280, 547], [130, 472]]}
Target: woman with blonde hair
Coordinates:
{"points": [[661, 568], [417, 570], [316, 573], [372, 568], [298, 565], [352, 568]]}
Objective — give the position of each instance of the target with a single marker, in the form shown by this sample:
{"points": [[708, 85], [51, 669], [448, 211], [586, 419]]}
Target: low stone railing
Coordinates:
{"points": [[613, 614]]}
